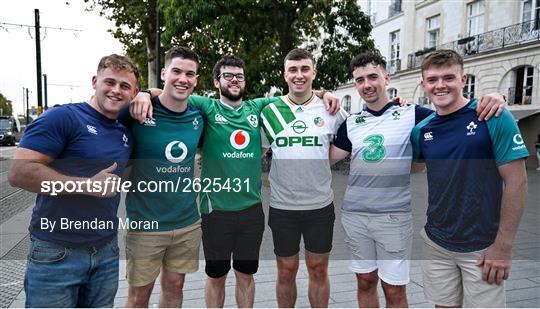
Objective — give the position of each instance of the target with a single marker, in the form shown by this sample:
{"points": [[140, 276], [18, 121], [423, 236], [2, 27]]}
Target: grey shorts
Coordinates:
{"points": [[380, 242]]}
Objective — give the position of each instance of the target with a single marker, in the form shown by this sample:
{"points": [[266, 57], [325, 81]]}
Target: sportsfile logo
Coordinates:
{"points": [[518, 140]]}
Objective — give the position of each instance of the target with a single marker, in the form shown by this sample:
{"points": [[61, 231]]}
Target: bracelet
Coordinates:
{"points": [[147, 91]]}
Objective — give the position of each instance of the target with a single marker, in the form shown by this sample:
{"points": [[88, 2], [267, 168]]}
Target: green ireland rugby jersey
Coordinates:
{"points": [[163, 166], [300, 137], [231, 154]]}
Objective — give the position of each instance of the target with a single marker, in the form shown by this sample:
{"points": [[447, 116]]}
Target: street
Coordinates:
{"points": [[523, 286]]}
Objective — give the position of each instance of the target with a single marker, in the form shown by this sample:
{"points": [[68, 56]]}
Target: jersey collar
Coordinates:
{"points": [[299, 107], [232, 108]]}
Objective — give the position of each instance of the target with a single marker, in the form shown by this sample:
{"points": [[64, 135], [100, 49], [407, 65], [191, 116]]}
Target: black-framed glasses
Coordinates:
{"points": [[229, 76]]}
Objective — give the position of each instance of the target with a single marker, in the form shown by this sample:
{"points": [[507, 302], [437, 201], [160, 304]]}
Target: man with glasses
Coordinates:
{"points": [[230, 199]]}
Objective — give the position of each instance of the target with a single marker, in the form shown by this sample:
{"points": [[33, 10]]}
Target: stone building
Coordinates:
{"points": [[499, 41]]}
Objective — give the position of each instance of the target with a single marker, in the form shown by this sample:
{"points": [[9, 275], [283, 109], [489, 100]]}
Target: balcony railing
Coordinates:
{"points": [[500, 38]]}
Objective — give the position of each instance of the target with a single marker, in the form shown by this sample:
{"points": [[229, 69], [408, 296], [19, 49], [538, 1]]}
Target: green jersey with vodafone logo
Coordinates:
{"points": [[163, 168], [300, 137], [231, 154]]}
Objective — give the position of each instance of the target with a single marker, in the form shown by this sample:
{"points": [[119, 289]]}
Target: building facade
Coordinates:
{"points": [[499, 42]]}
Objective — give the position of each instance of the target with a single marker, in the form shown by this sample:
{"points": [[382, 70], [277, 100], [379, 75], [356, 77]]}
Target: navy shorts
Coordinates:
{"points": [[315, 226]]}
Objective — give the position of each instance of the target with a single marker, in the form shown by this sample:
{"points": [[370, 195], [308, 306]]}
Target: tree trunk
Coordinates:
{"points": [[151, 65]]}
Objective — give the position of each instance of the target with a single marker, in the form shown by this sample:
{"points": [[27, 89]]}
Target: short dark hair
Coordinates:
{"points": [[363, 59], [181, 52], [442, 57], [227, 61], [299, 54], [118, 62]]}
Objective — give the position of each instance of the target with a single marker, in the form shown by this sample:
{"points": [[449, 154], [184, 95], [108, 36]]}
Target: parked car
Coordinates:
{"points": [[10, 130]]}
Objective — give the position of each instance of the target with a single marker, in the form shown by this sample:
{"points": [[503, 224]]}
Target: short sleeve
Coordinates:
{"points": [[342, 139], [261, 103], [50, 132], [341, 116], [421, 113], [264, 140], [124, 117], [507, 143], [200, 102]]}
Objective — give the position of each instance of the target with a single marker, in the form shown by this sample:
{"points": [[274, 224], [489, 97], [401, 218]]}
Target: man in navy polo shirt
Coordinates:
{"points": [[71, 156], [472, 218]]}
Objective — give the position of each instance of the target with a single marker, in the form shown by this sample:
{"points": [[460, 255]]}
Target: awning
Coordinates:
{"points": [[524, 113]]}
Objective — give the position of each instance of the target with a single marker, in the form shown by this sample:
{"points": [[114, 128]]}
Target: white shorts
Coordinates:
{"points": [[380, 242], [452, 279]]}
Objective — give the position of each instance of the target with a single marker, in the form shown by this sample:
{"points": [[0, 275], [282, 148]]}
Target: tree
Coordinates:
{"points": [[261, 32], [5, 106], [135, 29]]}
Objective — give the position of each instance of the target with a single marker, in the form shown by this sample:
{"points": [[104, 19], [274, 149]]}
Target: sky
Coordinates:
{"points": [[67, 57]]}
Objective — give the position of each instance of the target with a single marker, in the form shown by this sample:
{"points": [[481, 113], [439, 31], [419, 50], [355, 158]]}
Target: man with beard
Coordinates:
{"points": [[230, 200]]}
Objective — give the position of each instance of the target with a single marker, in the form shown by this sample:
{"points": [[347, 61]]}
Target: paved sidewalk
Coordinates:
{"points": [[523, 286]]}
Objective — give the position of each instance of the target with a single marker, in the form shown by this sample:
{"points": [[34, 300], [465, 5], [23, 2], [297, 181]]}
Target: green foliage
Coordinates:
{"points": [[135, 28], [5, 105], [261, 32]]}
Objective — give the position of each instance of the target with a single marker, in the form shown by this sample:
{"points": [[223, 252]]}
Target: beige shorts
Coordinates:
{"points": [[146, 252], [452, 279]]}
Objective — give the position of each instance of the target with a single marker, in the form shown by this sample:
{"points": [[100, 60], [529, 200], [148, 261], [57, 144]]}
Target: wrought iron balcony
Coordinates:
{"points": [[500, 38]]}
